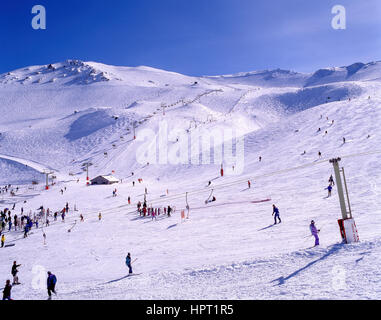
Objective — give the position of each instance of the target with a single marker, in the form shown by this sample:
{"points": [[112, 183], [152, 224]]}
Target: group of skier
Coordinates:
{"points": [[144, 210], [26, 222], [313, 229], [51, 282]]}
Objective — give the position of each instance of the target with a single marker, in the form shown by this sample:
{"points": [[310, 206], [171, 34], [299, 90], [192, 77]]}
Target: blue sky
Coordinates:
{"points": [[197, 37]]}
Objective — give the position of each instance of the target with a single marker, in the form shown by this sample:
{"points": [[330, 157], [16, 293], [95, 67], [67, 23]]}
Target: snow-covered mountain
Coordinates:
{"points": [[58, 116]]}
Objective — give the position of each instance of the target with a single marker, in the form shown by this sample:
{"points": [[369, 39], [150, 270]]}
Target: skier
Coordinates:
{"points": [[128, 263], [82, 219], [319, 154], [314, 232], [169, 211], [15, 221], [51, 284], [330, 180], [343, 140], [329, 191], [14, 272], [2, 241], [26, 230], [7, 290], [276, 212], [260, 159], [209, 183], [249, 184], [129, 200], [138, 206], [100, 216]]}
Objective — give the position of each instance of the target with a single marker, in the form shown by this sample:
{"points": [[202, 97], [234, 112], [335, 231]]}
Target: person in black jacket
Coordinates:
{"points": [[14, 272], [51, 282], [7, 290]]}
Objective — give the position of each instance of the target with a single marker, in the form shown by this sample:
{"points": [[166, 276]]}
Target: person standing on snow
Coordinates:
{"points": [[51, 284], [331, 181], [276, 212], [314, 232], [329, 191], [14, 272], [2, 241], [7, 290], [128, 263], [249, 184]]}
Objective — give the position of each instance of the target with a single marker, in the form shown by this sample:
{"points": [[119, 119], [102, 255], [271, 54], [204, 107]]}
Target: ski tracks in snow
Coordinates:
{"points": [[306, 274]]}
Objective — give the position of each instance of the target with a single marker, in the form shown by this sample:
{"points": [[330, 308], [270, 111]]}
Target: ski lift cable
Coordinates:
{"points": [[222, 186]]}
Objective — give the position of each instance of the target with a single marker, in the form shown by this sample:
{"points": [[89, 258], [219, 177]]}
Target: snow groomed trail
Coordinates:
{"points": [[227, 249]]}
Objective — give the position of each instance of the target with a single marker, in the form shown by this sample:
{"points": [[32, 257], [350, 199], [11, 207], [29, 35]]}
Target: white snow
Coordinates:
{"points": [[227, 249]]}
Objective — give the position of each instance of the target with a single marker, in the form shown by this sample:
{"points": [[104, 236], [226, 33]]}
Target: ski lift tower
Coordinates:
{"points": [[47, 173], [85, 167], [163, 106], [348, 229], [133, 128]]}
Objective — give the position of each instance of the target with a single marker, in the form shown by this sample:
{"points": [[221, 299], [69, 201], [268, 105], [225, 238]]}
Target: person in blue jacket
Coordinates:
{"points": [[276, 213], [329, 188], [128, 262], [51, 282]]}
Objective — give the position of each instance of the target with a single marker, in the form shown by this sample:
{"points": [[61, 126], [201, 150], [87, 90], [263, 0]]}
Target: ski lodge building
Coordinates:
{"points": [[104, 180]]}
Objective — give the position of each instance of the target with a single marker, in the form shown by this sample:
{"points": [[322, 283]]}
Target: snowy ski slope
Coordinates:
{"points": [[60, 117]]}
